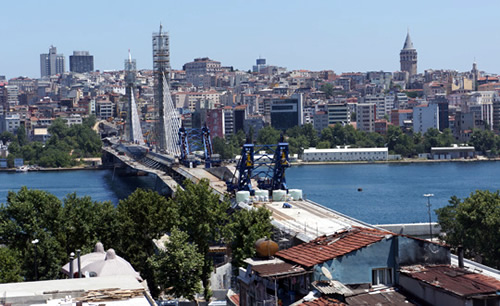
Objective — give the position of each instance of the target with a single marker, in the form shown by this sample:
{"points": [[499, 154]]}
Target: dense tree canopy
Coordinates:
{"points": [[204, 218], [474, 223], [29, 215], [63, 149], [143, 216], [246, 227], [178, 268]]}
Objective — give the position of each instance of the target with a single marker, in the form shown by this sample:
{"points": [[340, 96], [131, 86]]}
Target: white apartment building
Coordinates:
{"points": [[482, 103], [12, 122], [365, 117], [379, 100], [345, 154], [338, 113]]}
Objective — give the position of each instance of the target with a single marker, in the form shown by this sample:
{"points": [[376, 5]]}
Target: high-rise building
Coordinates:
{"points": [[81, 61], [261, 65], [51, 63], [287, 112], [365, 117], [338, 113], [425, 117], [408, 57]]}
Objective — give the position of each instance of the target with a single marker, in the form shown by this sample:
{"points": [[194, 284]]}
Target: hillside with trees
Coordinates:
{"points": [[65, 147]]}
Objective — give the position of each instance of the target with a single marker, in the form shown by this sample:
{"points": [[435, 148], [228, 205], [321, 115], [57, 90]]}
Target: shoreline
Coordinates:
{"points": [[401, 161], [14, 170], [295, 163]]}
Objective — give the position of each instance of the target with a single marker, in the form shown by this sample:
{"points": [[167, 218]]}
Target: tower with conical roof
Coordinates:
{"points": [[408, 57]]}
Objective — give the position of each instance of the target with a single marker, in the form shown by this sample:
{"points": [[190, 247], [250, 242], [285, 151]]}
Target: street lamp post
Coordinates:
{"points": [[428, 196], [35, 242]]}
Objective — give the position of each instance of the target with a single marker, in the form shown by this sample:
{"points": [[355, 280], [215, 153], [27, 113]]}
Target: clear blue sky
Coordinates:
{"points": [[339, 35]]}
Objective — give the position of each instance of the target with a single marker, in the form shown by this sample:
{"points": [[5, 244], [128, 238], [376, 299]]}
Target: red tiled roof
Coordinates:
{"points": [[235, 299], [456, 280], [328, 247], [324, 300]]}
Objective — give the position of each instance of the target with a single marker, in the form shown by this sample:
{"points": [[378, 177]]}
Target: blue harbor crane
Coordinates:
{"points": [[268, 168], [196, 140]]}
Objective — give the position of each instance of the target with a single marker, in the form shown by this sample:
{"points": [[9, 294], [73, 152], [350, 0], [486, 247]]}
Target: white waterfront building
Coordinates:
{"points": [[346, 154]]}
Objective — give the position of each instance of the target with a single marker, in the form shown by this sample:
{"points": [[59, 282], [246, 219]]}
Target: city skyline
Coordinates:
{"points": [[325, 35]]}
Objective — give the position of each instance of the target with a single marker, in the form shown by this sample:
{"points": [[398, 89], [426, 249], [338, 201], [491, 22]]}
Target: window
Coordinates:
{"points": [[382, 276]]}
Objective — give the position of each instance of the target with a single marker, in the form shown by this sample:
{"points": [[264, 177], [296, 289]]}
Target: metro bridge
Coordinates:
{"points": [[172, 160]]}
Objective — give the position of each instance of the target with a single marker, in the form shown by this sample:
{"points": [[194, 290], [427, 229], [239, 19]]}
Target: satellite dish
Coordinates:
{"points": [[326, 273]]}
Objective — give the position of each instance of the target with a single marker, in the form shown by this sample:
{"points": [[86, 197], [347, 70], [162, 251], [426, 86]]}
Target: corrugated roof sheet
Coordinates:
{"points": [[332, 287], [323, 301], [328, 247], [267, 270], [456, 280], [386, 297]]}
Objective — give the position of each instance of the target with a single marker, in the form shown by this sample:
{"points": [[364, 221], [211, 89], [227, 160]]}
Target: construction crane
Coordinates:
{"points": [[267, 169], [193, 140]]}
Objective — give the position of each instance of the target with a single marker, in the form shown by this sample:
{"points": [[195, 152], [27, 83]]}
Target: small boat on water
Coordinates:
{"points": [[22, 169]]}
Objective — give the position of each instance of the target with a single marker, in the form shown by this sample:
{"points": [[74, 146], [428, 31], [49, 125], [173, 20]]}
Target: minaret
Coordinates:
{"points": [[408, 57]]}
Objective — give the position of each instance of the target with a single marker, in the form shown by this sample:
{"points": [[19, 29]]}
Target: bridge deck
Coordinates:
{"points": [[197, 174], [131, 162]]}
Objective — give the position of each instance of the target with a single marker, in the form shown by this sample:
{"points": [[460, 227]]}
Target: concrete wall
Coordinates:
{"points": [[416, 251], [412, 229], [221, 279], [356, 267]]}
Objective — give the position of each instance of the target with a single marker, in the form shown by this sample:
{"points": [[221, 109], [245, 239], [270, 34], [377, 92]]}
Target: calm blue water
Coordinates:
{"points": [[392, 193], [99, 184]]}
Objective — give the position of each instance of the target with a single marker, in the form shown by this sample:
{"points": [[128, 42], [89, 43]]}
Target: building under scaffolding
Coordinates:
{"points": [[168, 120]]}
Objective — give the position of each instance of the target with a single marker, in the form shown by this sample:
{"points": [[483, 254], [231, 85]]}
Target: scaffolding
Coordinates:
{"points": [[168, 120]]}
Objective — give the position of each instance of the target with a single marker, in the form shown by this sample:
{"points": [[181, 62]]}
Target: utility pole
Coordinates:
{"points": [[35, 242], [428, 196]]}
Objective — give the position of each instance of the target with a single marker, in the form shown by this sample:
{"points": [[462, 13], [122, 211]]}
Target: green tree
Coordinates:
{"points": [[87, 222], [204, 218], [474, 223], [446, 138], [483, 140], [325, 144], [268, 135], [178, 268], [58, 128], [246, 227], [10, 266], [399, 143], [29, 215], [328, 89], [6, 137], [21, 135], [143, 216], [225, 148]]}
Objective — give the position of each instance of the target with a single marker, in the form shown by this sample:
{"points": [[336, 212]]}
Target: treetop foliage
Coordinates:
{"points": [[474, 224]]}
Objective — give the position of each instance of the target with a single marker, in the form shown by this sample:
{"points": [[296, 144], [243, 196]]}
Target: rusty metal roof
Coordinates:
{"points": [[384, 297], [458, 281], [278, 269], [323, 301], [328, 247]]}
